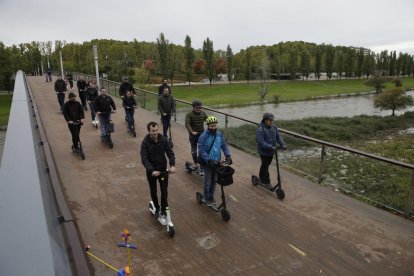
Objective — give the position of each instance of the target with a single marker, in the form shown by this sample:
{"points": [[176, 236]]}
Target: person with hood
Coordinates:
{"points": [[210, 145], [154, 148], [74, 116], [166, 107], [267, 136], [194, 122]]}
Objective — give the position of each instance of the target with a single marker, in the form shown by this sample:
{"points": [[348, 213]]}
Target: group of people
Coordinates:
{"points": [[207, 145]]}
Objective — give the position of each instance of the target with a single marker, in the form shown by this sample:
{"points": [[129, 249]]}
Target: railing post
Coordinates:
{"points": [[322, 165], [226, 129], [143, 100], [410, 197]]}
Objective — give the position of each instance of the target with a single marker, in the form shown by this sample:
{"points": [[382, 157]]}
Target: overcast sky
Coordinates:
{"points": [[374, 24]]}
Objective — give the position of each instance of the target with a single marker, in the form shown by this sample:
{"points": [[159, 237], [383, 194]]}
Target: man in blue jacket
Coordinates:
{"points": [[210, 145], [267, 135]]}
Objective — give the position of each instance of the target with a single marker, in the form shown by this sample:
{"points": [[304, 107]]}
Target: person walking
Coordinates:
{"points": [[74, 116], [82, 86], [194, 122], [104, 105], [162, 86], [154, 149], [210, 145], [166, 107], [91, 95], [267, 136], [69, 78], [60, 89]]}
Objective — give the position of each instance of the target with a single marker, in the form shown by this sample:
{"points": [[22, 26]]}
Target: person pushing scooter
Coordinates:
{"points": [[210, 145], [154, 148], [267, 136]]}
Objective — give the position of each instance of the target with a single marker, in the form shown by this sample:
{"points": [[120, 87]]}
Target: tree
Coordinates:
{"points": [[248, 65], [394, 99], [330, 56], [141, 75], [264, 72], [360, 62], [189, 58], [229, 61], [208, 54], [318, 61], [377, 81], [349, 62], [339, 60], [293, 62], [162, 45], [305, 63]]}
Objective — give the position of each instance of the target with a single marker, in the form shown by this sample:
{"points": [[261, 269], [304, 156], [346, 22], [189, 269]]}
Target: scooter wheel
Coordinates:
{"points": [[171, 231], [187, 167], [111, 145], [82, 155], [199, 198], [135, 134], [225, 215], [280, 194], [254, 180]]}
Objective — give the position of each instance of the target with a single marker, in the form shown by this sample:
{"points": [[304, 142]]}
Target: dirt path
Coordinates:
{"points": [[313, 231]]}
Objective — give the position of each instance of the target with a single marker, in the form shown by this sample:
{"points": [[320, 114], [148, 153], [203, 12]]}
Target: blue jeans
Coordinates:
{"points": [[104, 119], [92, 108], [210, 179], [165, 120], [129, 113], [193, 141]]}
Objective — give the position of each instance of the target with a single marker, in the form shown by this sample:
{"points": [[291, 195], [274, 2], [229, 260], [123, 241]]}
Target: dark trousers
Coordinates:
{"points": [[82, 96], [92, 108], [71, 84], [152, 181], [129, 113], [165, 120], [194, 141], [75, 131], [264, 168], [61, 99]]}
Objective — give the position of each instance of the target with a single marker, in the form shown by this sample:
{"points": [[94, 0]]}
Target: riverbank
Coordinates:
{"points": [[226, 95]]}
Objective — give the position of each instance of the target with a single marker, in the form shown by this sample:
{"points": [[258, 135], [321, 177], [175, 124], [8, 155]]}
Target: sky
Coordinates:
{"points": [[374, 24]]}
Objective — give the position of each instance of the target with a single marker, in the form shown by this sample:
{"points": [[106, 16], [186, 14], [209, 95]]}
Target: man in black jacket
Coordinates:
{"points": [[60, 89], [124, 87], [74, 116], [154, 147], [104, 105], [162, 86], [81, 83]]}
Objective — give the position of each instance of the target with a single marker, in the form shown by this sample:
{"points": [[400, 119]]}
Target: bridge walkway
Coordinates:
{"points": [[314, 231]]}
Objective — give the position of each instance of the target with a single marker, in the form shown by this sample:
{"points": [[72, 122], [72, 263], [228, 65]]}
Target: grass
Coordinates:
{"points": [[5, 105], [243, 93]]}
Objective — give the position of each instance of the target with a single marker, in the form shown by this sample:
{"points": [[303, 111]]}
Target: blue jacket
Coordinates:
{"points": [[204, 143], [266, 138]]}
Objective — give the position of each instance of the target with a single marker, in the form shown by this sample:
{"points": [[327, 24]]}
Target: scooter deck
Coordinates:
{"points": [[190, 168], [256, 181]]}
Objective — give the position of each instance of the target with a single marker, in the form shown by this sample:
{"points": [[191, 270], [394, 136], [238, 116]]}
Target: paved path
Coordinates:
{"points": [[314, 231]]}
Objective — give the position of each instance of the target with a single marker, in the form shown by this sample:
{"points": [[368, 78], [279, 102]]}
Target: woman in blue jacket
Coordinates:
{"points": [[267, 136], [210, 145]]}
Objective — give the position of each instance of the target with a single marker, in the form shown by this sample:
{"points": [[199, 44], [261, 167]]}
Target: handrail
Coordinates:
{"points": [[310, 139]]}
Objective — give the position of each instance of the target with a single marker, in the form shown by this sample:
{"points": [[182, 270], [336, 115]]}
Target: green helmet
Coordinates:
{"points": [[211, 120]]}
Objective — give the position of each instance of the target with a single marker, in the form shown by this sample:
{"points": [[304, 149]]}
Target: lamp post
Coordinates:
{"points": [[95, 55]]}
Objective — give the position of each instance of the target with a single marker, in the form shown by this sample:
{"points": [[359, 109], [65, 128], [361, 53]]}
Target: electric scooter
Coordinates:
{"points": [[80, 149], [190, 168], [224, 178], [164, 222], [278, 187]]}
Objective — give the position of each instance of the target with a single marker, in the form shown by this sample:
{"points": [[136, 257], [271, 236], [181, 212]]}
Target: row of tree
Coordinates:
{"points": [[146, 61]]}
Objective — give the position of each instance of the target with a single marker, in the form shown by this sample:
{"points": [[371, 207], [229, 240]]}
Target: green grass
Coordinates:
{"points": [[243, 94], [5, 105]]}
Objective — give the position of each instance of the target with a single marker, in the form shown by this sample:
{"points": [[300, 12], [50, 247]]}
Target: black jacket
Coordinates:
{"points": [[73, 111], [153, 154], [124, 87], [129, 102], [104, 104], [92, 94], [81, 85], [161, 89], [60, 86]]}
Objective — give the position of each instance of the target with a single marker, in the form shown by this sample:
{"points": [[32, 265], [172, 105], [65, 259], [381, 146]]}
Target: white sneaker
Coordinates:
{"points": [[163, 219], [93, 123]]}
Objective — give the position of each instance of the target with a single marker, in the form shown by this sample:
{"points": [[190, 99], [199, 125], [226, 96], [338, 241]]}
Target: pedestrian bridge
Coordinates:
{"points": [[313, 231]]}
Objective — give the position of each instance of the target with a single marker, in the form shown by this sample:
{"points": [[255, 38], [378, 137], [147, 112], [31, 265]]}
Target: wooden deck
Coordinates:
{"points": [[314, 231]]}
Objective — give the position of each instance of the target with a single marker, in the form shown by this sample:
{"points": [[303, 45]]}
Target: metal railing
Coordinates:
{"points": [[45, 238], [381, 181]]}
